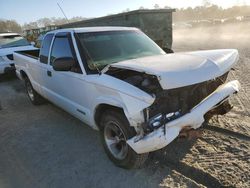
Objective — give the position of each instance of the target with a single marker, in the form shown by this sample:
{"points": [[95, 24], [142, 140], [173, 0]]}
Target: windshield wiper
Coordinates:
{"points": [[96, 67]]}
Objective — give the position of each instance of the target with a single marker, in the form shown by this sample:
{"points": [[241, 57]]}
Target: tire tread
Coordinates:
{"points": [[38, 99]]}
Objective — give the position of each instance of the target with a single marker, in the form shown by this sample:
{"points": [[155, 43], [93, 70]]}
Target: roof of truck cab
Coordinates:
{"points": [[93, 29]]}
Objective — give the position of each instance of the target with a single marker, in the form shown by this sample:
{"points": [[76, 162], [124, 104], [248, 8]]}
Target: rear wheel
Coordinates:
{"points": [[34, 97], [115, 131]]}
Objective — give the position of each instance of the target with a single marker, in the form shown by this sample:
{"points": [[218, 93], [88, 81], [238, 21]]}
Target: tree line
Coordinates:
{"points": [[13, 26], [43, 22], [207, 11], [10, 26]]}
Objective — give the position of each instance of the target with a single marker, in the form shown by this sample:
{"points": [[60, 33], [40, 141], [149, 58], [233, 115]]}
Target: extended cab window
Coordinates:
{"points": [[44, 52], [62, 48]]}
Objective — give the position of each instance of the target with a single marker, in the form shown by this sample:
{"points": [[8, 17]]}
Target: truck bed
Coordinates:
{"points": [[24, 60], [30, 53]]}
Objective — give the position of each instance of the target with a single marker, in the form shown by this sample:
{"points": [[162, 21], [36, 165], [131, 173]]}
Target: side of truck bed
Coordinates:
{"points": [[30, 53], [24, 61]]}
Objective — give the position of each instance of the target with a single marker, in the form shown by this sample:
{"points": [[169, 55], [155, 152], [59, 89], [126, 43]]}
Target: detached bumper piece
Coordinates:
{"points": [[162, 136]]}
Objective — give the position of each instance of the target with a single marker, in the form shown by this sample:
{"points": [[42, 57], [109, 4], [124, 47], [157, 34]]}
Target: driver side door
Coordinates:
{"points": [[67, 89]]}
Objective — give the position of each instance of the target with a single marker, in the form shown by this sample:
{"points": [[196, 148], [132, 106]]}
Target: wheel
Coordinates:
{"points": [[34, 97], [115, 131]]}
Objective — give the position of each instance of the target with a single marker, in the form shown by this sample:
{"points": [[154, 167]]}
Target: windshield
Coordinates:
{"points": [[104, 48], [12, 41]]}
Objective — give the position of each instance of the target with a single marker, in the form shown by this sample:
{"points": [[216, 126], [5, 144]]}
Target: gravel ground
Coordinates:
{"points": [[43, 146]]}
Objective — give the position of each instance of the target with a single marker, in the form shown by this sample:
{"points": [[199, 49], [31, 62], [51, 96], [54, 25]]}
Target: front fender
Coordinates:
{"points": [[132, 107], [115, 92]]}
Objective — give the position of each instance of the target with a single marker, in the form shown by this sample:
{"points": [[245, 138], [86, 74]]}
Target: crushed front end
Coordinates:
{"points": [[173, 103], [188, 89], [176, 109]]}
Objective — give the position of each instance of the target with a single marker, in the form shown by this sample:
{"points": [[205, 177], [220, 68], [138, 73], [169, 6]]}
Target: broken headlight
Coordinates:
{"points": [[160, 119], [155, 121]]}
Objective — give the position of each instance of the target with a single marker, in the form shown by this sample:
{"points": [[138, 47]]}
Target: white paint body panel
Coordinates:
{"points": [[81, 94], [183, 69], [5, 51], [74, 92]]}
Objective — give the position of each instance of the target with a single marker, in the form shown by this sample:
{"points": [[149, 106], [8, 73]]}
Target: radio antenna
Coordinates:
{"points": [[63, 12]]}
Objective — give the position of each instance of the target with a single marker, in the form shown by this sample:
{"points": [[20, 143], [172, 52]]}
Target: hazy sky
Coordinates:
{"points": [[30, 10]]}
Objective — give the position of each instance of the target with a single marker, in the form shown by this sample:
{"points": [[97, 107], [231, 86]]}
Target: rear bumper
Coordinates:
{"points": [[2, 67], [7, 68], [10, 69], [167, 133]]}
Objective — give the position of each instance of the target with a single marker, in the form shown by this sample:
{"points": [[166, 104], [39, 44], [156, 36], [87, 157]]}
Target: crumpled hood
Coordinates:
{"points": [[183, 69]]}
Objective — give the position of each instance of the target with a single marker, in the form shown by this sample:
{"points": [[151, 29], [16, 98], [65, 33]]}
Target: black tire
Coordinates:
{"points": [[130, 159], [34, 97]]}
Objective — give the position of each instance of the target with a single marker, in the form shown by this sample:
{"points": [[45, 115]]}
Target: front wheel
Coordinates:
{"points": [[115, 131]]}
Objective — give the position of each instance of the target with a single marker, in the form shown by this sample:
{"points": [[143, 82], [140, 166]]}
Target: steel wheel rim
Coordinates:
{"points": [[30, 91], [115, 140]]}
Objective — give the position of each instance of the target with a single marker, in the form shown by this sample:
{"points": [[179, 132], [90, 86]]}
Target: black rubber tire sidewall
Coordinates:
{"points": [[38, 100], [132, 159]]}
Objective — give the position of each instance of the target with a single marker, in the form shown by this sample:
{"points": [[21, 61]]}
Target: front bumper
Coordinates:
{"points": [[162, 136]]}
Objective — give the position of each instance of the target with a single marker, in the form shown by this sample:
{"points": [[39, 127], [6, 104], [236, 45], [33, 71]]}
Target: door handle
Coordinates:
{"points": [[49, 73]]}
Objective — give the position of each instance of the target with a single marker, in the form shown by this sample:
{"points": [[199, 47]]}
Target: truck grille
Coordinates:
{"points": [[185, 98]]}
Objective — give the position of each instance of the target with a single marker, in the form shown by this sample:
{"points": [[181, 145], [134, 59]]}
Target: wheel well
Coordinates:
{"points": [[23, 74], [102, 108]]}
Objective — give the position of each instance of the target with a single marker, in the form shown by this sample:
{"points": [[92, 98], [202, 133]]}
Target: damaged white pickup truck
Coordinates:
{"points": [[118, 81]]}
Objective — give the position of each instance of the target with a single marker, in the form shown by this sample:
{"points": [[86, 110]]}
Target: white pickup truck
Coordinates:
{"points": [[118, 81]]}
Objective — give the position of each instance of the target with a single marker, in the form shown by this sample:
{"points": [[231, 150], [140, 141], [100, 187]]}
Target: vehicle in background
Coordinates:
{"points": [[217, 21], [118, 81], [10, 42], [39, 40], [230, 20], [182, 25], [246, 18]]}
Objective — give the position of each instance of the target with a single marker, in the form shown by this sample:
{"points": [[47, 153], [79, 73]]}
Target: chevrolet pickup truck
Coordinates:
{"points": [[118, 81]]}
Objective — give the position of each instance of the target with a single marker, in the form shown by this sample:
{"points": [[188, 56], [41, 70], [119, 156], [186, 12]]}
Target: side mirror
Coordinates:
{"points": [[32, 43], [63, 64]]}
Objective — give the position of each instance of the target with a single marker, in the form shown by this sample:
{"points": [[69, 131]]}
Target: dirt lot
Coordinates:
{"points": [[43, 146]]}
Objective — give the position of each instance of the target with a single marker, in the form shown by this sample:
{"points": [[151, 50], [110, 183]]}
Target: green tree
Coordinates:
{"points": [[10, 26]]}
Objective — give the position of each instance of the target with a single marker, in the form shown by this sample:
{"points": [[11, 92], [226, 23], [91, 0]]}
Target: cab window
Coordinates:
{"points": [[44, 52], [62, 48]]}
